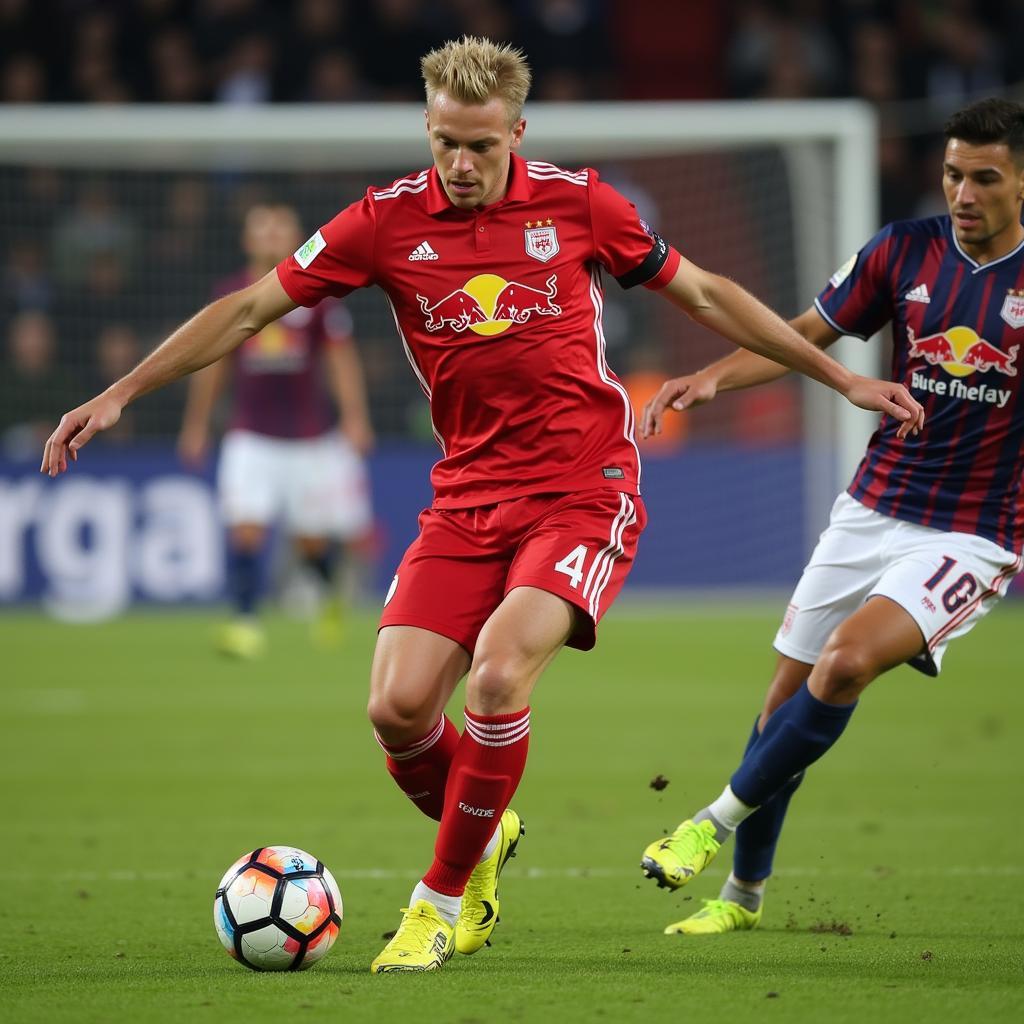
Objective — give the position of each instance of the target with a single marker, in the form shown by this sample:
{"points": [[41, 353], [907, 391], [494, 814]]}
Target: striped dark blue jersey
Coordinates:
{"points": [[957, 327]]}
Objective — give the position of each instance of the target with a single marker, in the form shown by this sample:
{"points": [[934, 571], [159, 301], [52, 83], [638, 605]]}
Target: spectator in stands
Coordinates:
{"points": [[26, 283], [967, 62], [33, 386], [118, 349], [334, 78], [23, 80], [318, 47], [874, 63], [570, 48], [395, 35], [178, 248], [175, 72], [775, 55], [94, 66], [95, 227], [247, 72]]}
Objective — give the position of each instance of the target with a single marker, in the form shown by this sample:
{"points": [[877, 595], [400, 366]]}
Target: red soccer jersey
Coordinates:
{"points": [[499, 310]]}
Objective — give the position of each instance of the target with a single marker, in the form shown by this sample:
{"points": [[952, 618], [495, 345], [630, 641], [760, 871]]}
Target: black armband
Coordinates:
{"points": [[652, 263]]}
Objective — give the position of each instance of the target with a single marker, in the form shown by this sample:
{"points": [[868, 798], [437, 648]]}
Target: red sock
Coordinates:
{"points": [[485, 772], [421, 768]]}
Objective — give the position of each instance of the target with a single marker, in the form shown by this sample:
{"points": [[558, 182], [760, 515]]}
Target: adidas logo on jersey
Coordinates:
{"points": [[918, 294], [423, 252]]}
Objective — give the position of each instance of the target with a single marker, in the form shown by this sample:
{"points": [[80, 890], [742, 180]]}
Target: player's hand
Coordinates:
{"points": [[359, 434], [679, 393], [885, 396], [193, 444], [76, 428]]}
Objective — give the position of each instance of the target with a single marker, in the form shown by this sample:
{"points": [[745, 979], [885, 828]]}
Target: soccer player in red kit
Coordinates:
{"points": [[493, 269]]}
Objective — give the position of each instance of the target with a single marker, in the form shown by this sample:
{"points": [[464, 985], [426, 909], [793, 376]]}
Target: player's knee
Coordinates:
{"points": [[495, 686], [844, 669], [398, 717]]}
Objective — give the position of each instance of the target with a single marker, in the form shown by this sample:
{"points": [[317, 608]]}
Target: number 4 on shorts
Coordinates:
{"points": [[572, 564]]}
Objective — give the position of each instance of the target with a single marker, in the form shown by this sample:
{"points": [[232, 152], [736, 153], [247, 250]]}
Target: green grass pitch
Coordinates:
{"points": [[136, 767]]}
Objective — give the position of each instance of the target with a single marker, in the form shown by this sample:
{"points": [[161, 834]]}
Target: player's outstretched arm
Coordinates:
{"points": [[210, 334], [738, 370], [724, 307]]}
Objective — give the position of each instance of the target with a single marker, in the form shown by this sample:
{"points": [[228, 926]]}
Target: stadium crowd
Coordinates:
{"points": [[256, 51], [84, 257]]}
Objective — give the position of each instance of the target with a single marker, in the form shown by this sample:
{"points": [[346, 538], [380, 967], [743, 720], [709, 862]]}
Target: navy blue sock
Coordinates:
{"points": [[758, 835], [322, 565], [794, 737], [244, 572], [755, 735]]}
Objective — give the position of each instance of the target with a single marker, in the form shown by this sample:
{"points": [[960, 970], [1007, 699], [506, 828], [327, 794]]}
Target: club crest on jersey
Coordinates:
{"points": [[541, 239], [1013, 307]]}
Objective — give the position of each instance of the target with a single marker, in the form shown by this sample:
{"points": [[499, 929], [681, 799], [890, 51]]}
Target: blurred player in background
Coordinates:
{"points": [[928, 536], [492, 266], [286, 457]]}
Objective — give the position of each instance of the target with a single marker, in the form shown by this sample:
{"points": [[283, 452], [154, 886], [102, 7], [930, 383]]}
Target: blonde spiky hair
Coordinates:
{"points": [[473, 69]]}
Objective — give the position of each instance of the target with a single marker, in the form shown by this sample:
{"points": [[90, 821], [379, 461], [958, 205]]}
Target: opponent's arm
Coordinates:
{"points": [[210, 334], [348, 386], [740, 369], [724, 307], [746, 369]]}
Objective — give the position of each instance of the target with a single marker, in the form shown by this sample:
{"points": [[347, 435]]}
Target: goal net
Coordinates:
{"points": [[117, 222]]}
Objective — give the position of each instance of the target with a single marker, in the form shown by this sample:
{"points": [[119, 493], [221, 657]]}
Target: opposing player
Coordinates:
{"points": [[286, 455], [492, 266], [928, 536]]}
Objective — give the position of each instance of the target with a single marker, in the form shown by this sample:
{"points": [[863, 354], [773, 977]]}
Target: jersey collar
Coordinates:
{"points": [[1015, 251], [518, 190]]}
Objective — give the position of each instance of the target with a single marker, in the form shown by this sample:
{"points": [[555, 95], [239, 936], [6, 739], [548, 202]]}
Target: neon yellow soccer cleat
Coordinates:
{"points": [[716, 917], [677, 859], [327, 630], [423, 942], [480, 900], [241, 639]]}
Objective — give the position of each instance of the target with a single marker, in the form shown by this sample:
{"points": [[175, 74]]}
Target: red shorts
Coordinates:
{"points": [[577, 546]]}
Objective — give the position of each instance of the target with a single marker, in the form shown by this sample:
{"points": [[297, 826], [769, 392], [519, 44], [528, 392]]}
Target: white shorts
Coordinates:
{"points": [[316, 486], [946, 582]]}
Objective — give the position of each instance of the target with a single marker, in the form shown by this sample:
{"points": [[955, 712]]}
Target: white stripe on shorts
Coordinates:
{"points": [[601, 569]]}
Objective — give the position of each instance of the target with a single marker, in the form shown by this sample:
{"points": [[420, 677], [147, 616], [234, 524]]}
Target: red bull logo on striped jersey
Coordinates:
{"points": [[960, 352]]}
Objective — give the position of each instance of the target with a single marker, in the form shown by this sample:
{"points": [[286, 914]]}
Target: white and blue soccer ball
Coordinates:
{"points": [[277, 909]]}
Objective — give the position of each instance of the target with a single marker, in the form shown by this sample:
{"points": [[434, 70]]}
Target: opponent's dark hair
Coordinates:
{"points": [[989, 121]]}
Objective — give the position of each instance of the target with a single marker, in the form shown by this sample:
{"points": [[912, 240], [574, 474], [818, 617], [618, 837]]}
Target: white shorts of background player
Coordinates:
{"points": [[316, 487]]}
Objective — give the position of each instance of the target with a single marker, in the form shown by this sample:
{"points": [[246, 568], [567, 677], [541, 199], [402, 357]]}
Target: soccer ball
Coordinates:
{"points": [[277, 909]]}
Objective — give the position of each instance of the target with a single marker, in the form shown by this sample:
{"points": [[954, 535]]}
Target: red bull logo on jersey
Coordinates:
{"points": [[275, 349], [961, 352], [488, 304]]}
